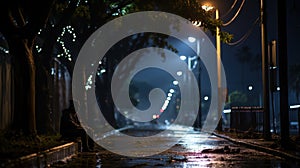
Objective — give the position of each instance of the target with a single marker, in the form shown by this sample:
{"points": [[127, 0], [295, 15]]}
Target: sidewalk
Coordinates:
{"points": [[218, 150], [250, 140], [43, 158], [260, 144], [189, 151]]}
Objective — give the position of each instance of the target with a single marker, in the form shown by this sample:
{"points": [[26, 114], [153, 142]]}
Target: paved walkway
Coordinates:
{"points": [[271, 146], [216, 151]]}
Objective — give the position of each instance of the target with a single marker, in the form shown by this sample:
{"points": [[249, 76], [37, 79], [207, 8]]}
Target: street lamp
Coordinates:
{"points": [[250, 87], [207, 7], [218, 44], [265, 72], [218, 48]]}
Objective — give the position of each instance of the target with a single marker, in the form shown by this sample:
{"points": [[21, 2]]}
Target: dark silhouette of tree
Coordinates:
{"points": [[244, 56], [90, 15], [22, 21], [256, 63], [237, 98]]}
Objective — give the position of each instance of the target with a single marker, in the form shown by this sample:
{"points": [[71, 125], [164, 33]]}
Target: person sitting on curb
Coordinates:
{"points": [[71, 128]]}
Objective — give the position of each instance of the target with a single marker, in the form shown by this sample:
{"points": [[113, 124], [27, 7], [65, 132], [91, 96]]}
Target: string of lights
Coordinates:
{"points": [[4, 50], [3, 47], [66, 53]]}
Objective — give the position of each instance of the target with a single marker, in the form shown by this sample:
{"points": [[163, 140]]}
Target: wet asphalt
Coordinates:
{"points": [[192, 149]]}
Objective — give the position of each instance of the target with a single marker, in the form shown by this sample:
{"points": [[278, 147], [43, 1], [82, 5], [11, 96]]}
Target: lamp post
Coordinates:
{"points": [[265, 72], [283, 73], [218, 51]]}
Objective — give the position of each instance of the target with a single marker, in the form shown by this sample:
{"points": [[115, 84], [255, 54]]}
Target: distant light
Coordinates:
{"points": [[205, 98], [278, 88], [179, 73], [154, 116], [250, 87], [295, 106], [227, 111], [191, 39], [183, 57], [161, 110], [169, 98], [103, 71], [169, 94], [175, 83], [87, 87], [172, 90], [197, 23], [52, 71]]}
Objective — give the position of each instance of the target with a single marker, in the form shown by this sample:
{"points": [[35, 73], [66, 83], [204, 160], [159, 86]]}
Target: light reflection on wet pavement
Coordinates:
{"points": [[188, 152]]}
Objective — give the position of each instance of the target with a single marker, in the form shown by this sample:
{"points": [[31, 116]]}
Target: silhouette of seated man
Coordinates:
{"points": [[70, 128]]}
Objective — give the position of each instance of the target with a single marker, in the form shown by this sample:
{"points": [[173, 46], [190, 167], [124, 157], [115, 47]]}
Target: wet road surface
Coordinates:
{"points": [[190, 151]]}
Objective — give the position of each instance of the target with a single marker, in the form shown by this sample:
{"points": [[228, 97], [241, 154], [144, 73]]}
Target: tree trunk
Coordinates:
{"points": [[24, 83], [43, 109], [20, 24]]}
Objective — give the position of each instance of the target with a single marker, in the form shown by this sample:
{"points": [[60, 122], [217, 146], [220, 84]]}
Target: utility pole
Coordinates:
{"points": [[265, 70], [219, 72], [218, 47], [283, 73]]}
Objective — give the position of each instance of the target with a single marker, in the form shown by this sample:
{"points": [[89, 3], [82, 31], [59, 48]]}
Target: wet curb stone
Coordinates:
{"points": [[260, 148], [44, 158]]}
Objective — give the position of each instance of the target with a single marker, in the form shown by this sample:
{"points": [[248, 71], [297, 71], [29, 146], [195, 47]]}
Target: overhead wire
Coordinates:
{"points": [[246, 35], [236, 14], [232, 6]]}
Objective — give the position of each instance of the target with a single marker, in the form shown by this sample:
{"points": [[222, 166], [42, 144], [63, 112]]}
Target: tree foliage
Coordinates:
{"points": [[20, 22], [237, 98], [25, 23]]}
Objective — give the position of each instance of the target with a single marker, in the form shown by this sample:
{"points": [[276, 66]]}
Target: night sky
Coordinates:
{"points": [[240, 26], [242, 75]]}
